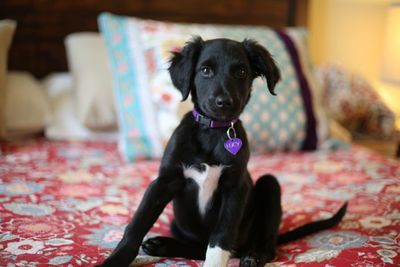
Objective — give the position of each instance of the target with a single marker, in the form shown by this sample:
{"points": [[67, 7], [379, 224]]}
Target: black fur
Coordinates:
{"points": [[241, 217]]}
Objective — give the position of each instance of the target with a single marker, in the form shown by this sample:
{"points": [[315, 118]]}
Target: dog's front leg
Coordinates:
{"points": [[225, 232], [158, 194]]}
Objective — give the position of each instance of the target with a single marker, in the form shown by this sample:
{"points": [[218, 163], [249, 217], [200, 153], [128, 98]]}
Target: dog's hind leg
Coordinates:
{"points": [[267, 195], [169, 247]]}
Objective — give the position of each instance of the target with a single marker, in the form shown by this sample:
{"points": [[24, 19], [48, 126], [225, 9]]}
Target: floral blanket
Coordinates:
{"points": [[66, 204]]}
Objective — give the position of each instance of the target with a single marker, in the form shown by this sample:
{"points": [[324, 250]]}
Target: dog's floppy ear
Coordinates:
{"points": [[262, 63], [183, 65]]}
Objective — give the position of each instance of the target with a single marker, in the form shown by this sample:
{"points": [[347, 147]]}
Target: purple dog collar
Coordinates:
{"points": [[209, 122], [233, 144]]}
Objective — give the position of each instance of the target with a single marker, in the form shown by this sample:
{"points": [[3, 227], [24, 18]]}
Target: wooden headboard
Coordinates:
{"points": [[38, 45]]}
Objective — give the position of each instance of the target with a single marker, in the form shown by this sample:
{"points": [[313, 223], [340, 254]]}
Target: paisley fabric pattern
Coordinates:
{"points": [[133, 99], [67, 203]]}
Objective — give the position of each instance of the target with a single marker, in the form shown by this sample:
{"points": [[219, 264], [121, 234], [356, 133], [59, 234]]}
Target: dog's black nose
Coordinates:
{"points": [[223, 101]]}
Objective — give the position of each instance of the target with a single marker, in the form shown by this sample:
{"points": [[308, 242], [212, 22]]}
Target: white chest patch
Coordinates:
{"points": [[207, 180], [216, 257]]}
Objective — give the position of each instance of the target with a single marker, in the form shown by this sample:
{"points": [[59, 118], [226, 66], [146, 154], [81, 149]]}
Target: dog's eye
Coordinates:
{"points": [[206, 72], [241, 73]]}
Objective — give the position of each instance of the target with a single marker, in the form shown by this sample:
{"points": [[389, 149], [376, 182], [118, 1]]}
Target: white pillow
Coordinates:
{"points": [[88, 63], [64, 125], [7, 28], [26, 106]]}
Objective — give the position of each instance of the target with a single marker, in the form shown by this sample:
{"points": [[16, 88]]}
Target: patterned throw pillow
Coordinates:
{"points": [[354, 103], [140, 51]]}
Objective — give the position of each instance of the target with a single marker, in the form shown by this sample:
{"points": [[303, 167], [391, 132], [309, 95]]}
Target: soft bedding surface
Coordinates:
{"points": [[66, 204]]}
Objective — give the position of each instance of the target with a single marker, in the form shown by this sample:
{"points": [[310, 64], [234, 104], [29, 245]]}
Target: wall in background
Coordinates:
{"points": [[350, 33]]}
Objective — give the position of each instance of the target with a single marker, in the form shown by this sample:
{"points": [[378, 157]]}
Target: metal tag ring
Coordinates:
{"points": [[231, 130]]}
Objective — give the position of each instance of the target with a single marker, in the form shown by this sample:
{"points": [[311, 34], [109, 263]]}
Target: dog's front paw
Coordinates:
{"points": [[256, 259], [249, 262], [156, 246]]}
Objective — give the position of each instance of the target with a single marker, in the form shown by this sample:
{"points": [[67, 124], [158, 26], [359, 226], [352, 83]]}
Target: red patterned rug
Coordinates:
{"points": [[66, 204]]}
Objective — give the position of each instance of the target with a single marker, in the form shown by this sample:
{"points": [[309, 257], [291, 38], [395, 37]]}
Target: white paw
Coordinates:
{"points": [[216, 257]]}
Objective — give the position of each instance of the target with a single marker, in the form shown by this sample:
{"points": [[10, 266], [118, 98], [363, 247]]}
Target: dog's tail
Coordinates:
{"points": [[312, 227]]}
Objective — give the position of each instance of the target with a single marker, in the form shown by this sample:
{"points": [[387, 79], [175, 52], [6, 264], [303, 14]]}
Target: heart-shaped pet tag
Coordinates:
{"points": [[233, 145]]}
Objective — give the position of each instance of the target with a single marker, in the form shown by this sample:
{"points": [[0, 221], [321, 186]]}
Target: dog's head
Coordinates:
{"points": [[219, 73]]}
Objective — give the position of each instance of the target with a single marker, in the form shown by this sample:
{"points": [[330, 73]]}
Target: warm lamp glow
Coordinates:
{"points": [[391, 56]]}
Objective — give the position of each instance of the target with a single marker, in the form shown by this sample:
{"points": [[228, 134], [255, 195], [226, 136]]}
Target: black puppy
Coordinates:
{"points": [[219, 213]]}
